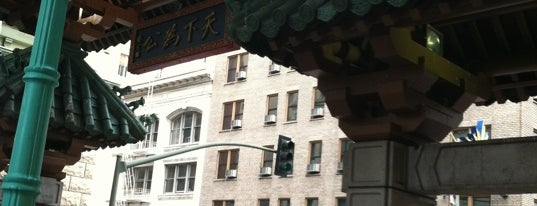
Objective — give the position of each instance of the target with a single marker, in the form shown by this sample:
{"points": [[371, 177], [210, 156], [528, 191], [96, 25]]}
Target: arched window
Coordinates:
{"points": [[186, 128]]}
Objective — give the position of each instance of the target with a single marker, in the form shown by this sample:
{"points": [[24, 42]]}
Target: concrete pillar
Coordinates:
{"points": [[376, 174]]}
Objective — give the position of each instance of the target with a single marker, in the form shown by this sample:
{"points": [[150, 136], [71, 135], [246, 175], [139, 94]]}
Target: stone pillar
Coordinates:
{"points": [[376, 174]]}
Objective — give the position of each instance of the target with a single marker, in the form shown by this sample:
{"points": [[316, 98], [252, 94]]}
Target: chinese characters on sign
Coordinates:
{"points": [[182, 38]]}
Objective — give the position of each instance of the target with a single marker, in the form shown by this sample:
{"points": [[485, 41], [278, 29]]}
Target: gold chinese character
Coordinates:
{"points": [[148, 43], [190, 27], [209, 25], [171, 37]]}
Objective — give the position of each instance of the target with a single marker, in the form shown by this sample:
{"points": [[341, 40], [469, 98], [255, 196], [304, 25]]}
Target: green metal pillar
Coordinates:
{"points": [[21, 185]]}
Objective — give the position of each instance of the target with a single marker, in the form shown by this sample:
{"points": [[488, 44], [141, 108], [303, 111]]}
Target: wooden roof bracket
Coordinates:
{"points": [[433, 63]]}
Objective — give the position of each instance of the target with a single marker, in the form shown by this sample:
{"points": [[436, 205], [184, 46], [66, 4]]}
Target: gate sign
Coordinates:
{"points": [[195, 32]]}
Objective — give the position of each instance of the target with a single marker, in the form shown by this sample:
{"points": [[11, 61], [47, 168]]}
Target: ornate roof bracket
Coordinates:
{"points": [[94, 18]]}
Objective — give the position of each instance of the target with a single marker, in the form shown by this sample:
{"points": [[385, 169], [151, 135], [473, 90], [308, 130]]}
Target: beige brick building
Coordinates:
{"points": [[502, 121], [245, 98], [246, 88]]}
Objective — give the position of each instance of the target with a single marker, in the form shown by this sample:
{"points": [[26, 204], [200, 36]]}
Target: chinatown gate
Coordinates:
{"points": [[398, 74]]}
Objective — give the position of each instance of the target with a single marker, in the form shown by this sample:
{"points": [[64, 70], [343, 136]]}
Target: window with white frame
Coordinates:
{"points": [[180, 178], [142, 180], [186, 128], [151, 136]]}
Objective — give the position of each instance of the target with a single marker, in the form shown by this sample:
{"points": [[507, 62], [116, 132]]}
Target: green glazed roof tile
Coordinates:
{"points": [[326, 12], [83, 103], [360, 7], [269, 18]]}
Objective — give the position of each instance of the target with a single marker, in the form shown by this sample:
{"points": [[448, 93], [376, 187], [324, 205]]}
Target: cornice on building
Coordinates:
{"points": [[170, 85]]}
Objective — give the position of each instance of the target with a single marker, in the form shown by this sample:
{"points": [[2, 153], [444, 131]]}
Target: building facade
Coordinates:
{"points": [[253, 102], [244, 98], [508, 120]]}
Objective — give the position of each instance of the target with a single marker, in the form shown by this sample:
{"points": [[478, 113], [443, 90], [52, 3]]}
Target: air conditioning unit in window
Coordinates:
{"points": [[340, 167], [230, 174], [241, 75], [270, 119], [236, 124], [314, 168], [317, 112], [265, 171], [274, 68]]}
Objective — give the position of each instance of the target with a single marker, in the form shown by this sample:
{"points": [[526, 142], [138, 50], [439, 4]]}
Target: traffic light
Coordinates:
{"points": [[284, 156]]}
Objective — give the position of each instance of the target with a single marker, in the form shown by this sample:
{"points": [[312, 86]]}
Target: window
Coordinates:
{"points": [[292, 105], [268, 157], [142, 180], [236, 64], [264, 202], [151, 136], [341, 201], [180, 178], [318, 100], [345, 145], [186, 128], [285, 202], [315, 152], [274, 68], [123, 61], [312, 202], [232, 111], [272, 104], [272, 109], [223, 203], [227, 160]]}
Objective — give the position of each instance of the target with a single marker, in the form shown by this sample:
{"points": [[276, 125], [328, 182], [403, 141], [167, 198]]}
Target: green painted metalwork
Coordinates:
{"points": [[21, 185], [122, 166]]}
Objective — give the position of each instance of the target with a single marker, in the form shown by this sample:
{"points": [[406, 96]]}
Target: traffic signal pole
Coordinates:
{"points": [[21, 185], [123, 166]]}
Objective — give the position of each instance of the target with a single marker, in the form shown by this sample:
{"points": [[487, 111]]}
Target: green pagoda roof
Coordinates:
{"points": [[271, 18], [83, 107]]}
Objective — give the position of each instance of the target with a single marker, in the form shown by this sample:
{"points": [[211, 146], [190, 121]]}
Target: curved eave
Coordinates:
{"points": [[83, 103]]}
